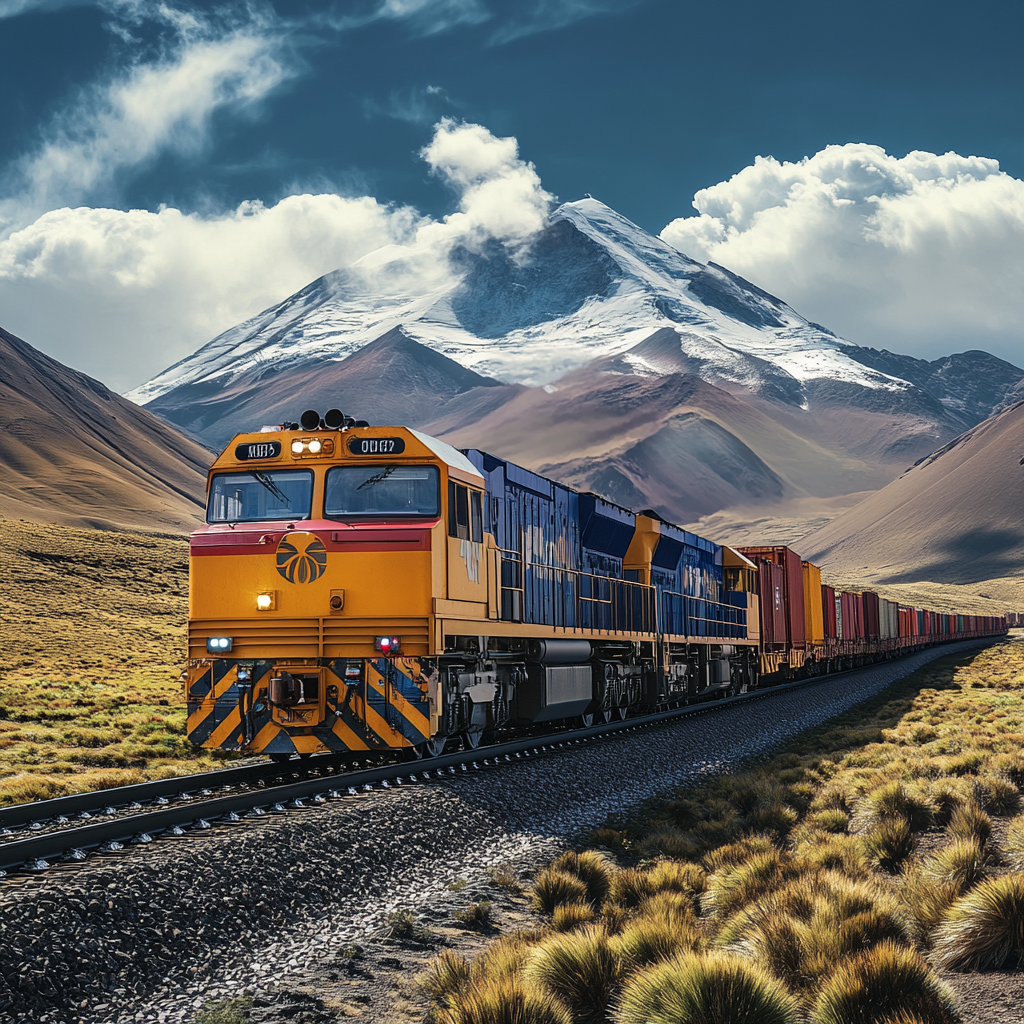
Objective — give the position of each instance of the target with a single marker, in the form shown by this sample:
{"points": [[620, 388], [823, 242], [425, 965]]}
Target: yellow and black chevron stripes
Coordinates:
{"points": [[385, 707]]}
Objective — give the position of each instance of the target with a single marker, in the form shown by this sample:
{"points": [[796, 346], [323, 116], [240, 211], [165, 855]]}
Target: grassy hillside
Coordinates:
{"points": [[850, 878], [92, 633]]}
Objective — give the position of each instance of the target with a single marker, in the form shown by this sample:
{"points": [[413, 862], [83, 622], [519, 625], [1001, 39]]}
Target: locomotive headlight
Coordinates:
{"points": [[297, 447], [314, 445], [267, 601], [218, 644]]}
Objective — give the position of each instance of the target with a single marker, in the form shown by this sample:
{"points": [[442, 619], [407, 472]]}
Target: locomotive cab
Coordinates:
{"points": [[314, 583]]}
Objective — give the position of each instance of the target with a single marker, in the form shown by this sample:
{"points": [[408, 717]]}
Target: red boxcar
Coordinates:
{"points": [[853, 616], [792, 578], [872, 619], [772, 592], [828, 611]]}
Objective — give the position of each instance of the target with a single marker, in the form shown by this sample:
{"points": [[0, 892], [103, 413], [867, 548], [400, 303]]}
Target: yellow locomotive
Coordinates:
{"points": [[363, 588]]}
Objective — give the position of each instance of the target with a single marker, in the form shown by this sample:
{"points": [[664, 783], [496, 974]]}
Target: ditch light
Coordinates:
{"points": [[218, 644], [388, 644]]}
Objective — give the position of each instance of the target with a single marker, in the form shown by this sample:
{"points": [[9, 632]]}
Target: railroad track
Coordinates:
{"points": [[141, 813]]}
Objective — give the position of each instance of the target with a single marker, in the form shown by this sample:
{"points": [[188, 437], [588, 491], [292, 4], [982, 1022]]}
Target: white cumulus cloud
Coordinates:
{"points": [[123, 294], [500, 194], [921, 254], [157, 105]]}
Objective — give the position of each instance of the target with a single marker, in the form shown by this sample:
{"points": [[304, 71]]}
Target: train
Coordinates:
{"points": [[361, 589]]}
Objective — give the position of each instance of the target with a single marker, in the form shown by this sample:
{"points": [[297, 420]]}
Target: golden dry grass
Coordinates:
{"points": [[92, 629], [867, 847]]}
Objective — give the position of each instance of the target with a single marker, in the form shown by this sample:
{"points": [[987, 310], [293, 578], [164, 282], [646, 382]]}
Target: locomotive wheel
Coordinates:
{"points": [[434, 747], [472, 736]]}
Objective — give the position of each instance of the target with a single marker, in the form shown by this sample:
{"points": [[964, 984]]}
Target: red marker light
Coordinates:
{"points": [[388, 644]]}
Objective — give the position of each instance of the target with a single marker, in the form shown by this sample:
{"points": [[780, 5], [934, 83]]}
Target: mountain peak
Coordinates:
{"points": [[591, 284]]}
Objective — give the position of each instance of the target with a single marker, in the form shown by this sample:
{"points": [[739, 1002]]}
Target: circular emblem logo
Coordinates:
{"points": [[301, 557]]}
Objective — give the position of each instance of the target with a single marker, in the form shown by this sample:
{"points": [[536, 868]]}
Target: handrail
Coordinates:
{"points": [[572, 598]]}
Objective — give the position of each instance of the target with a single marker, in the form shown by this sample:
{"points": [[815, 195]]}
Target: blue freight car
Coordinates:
{"points": [[561, 552]]}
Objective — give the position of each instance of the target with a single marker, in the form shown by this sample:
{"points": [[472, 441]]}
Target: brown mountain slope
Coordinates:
{"points": [[391, 380], [73, 452], [644, 429], [955, 518]]}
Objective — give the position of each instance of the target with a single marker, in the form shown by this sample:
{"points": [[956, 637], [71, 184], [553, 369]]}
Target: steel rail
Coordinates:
{"points": [[35, 852], [94, 801]]}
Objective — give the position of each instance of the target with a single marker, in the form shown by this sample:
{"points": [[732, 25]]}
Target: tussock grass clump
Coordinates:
{"points": [[630, 887], [593, 869], [505, 1001], [962, 864], [676, 876], [966, 763], [829, 820], [799, 937], [446, 978], [925, 901], [748, 882], [773, 818], [504, 876], [674, 907], [736, 853], [970, 822], [652, 938], [830, 852], [404, 925], [554, 888], [998, 796], [883, 982], [580, 968], [1013, 844], [984, 930], [890, 843], [476, 917], [505, 958], [895, 800], [569, 916], [948, 795], [711, 989], [1009, 766], [670, 842]]}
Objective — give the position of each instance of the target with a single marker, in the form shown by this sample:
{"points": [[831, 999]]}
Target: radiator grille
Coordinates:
{"points": [[307, 638]]}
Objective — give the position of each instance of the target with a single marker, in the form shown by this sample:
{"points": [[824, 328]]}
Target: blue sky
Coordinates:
{"points": [[123, 106]]}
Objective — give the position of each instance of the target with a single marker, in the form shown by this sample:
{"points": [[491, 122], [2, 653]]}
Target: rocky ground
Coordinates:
{"points": [[274, 908]]}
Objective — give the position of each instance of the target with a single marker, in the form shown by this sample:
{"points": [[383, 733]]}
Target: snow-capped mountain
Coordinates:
{"points": [[599, 355], [591, 284]]}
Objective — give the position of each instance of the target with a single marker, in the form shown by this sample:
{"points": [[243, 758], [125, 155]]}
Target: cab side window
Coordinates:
{"points": [[476, 517], [465, 516]]}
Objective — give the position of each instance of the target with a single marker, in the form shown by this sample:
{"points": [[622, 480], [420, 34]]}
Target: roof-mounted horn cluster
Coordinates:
{"points": [[333, 419]]}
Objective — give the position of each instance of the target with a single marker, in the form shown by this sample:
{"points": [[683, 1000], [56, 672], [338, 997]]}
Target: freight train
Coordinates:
{"points": [[360, 588]]}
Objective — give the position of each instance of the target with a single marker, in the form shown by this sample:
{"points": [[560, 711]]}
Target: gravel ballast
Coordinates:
{"points": [[153, 931]]}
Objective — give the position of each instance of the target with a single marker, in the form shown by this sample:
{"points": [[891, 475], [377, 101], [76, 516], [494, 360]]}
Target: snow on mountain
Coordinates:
{"points": [[590, 284]]}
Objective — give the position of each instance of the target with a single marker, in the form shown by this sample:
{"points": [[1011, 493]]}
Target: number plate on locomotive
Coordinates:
{"points": [[376, 445], [259, 450]]}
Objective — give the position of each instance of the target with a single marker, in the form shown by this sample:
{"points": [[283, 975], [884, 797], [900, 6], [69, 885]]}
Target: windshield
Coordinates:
{"points": [[260, 494], [382, 491]]}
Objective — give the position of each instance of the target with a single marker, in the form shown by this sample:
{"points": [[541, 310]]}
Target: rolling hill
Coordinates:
{"points": [[74, 452], [955, 519]]}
